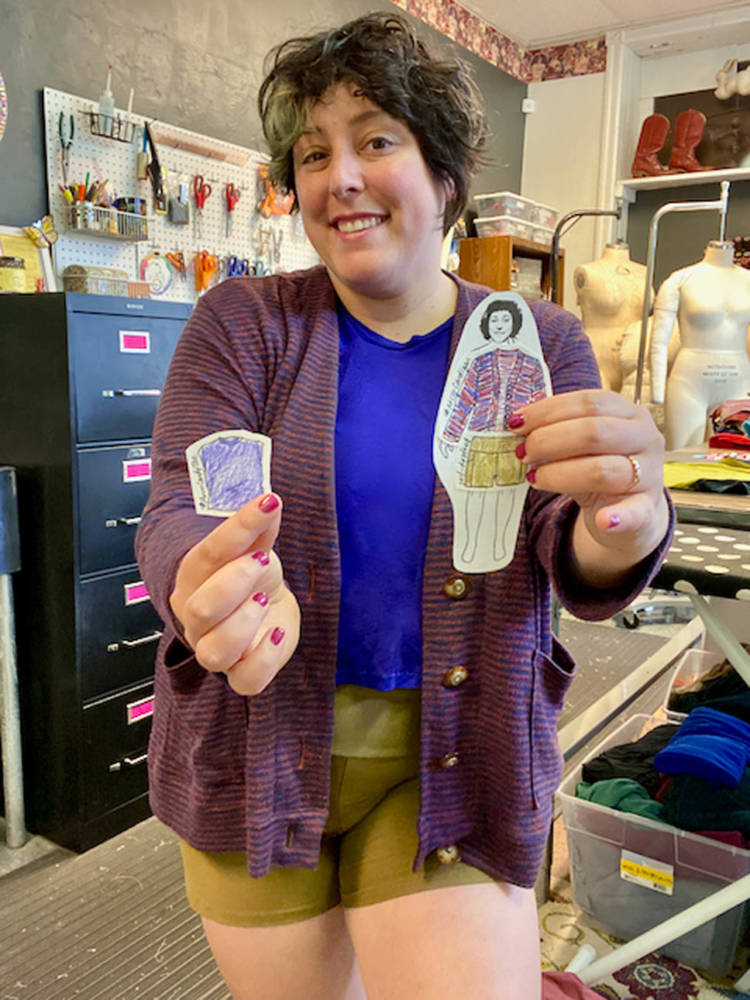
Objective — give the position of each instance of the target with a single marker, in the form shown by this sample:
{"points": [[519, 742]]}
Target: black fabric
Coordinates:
{"points": [[725, 687], [694, 804], [632, 760], [719, 486]]}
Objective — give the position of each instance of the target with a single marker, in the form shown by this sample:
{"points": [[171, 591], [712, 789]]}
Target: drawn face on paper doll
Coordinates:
{"points": [[501, 322]]}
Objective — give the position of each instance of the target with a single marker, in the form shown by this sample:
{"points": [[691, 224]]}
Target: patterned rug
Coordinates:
{"points": [[654, 977]]}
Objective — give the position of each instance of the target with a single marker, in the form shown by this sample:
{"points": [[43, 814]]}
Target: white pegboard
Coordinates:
{"points": [[279, 241]]}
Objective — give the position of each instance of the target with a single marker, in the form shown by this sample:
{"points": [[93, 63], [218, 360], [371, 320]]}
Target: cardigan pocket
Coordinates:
{"points": [[207, 725], [553, 674]]}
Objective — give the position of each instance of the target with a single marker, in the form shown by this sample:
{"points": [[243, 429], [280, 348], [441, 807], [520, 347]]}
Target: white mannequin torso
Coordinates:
{"points": [[712, 300], [610, 295]]}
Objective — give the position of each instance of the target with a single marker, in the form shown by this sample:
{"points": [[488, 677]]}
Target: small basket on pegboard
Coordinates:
{"points": [[105, 222], [111, 126]]}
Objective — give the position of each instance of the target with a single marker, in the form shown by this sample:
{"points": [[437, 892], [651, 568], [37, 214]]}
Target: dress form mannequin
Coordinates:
{"points": [[712, 301], [610, 294]]}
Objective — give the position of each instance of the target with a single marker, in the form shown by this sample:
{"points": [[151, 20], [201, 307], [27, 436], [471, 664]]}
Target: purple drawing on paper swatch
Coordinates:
{"points": [[233, 470]]}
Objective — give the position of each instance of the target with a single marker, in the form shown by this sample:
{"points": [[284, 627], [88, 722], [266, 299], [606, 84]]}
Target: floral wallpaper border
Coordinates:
{"points": [[529, 65]]}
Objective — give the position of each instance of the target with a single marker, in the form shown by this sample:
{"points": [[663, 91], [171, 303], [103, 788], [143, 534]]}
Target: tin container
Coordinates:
{"points": [[95, 280]]}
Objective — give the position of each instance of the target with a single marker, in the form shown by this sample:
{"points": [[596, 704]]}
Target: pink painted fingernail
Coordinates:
{"points": [[262, 558], [521, 450], [261, 598], [531, 475], [277, 636], [614, 521], [515, 421], [269, 503]]}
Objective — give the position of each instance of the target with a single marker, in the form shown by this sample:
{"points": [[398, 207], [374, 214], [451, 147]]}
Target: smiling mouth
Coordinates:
{"points": [[356, 225]]}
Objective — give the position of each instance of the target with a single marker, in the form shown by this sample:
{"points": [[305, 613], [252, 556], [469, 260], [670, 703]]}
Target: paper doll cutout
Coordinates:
{"points": [[227, 469], [497, 368]]}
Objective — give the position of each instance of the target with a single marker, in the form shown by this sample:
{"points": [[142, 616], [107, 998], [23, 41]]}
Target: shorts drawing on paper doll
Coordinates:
{"points": [[498, 367]]}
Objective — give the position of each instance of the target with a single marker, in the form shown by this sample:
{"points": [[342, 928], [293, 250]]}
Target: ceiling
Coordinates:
{"points": [[539, 23]]}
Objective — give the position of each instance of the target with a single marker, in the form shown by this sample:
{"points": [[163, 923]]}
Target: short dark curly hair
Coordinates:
{"points": [[435, 96], [502, 305]]}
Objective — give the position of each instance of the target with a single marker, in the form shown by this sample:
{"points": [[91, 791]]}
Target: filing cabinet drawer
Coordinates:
{"points": [[113, 485], [119, 364], [116, 732], [119, 632]]}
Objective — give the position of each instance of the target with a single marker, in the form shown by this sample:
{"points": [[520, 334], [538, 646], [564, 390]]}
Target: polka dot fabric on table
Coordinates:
{"points": [[716, 561]]}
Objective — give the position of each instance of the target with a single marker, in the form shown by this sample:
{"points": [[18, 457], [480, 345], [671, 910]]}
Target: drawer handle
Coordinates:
{"points": [[134, 761], [110, 393], [114, 522], [144, 640]]}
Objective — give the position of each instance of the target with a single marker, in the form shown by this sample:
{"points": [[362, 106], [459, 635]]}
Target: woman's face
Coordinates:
{"points": [[370, 206], [500, 325]]}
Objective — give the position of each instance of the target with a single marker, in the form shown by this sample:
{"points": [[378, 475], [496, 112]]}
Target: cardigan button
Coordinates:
{"points": [[449, 760], [456, 587], [448, 855], [455, 676]]}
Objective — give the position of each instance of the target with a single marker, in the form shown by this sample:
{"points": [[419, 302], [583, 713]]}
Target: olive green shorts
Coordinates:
{"points": [[370, 838]]}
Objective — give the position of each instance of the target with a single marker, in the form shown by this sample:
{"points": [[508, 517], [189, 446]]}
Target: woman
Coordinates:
{"points": [[323, 775]]}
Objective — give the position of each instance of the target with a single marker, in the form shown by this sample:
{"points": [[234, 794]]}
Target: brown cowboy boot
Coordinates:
{"points": [[688, 132], [653, 136]]}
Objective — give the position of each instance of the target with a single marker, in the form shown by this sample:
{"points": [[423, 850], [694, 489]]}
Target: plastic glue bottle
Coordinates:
{"points": [[106, 107]]}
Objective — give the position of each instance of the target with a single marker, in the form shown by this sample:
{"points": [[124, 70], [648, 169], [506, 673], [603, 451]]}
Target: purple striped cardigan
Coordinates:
{"points": [[229, 773]]}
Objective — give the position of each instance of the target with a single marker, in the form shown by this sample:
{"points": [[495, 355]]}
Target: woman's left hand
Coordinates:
{"points": [[608, 455]]}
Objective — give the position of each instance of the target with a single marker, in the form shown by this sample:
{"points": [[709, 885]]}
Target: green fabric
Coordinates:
{"points": [[623, 794]]}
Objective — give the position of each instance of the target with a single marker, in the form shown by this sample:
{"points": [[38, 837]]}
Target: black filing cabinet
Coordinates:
{"points": [[80, 379]]}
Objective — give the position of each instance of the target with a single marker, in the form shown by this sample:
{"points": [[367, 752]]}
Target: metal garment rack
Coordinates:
{"points": [[720, 205], [579, 214]]}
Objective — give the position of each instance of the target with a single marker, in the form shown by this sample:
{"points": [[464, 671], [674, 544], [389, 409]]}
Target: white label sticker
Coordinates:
{"points": [[648, 872]]}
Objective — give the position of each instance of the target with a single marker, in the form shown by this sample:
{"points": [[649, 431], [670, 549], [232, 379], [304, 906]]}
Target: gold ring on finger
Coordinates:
{"points": [[635, 465]]}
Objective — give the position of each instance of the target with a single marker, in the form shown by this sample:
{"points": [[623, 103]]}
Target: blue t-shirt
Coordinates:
{"points": [[389, 395]]}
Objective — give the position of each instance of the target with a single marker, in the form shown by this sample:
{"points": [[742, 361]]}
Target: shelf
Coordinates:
{"points": [[488, 260], [636, 184]]}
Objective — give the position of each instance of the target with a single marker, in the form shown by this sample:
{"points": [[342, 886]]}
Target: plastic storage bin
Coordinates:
{"points": [[507, 225], [597, 838], [510, 203], [692, 665]]}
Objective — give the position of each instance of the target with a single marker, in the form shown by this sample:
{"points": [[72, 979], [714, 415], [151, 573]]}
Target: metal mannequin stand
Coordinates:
{"points": [[10, 724]]}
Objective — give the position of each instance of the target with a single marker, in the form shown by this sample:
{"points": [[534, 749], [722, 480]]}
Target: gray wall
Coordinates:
{"points": [[683, 237], [193, 63]]}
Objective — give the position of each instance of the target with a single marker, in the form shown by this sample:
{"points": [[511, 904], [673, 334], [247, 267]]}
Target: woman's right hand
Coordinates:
{"points": [[237, 614]]}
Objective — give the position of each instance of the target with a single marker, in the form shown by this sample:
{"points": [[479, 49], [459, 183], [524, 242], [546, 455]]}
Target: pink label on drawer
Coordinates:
{"points": [[138, 710], [135, 592], [135, 342], [136, 471]]}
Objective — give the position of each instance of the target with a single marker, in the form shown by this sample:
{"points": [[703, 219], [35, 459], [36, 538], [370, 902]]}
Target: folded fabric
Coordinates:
{"points": [[631, 760], [623, 794], [729, 439], [693, 804], [723, 686], [710, 745]]}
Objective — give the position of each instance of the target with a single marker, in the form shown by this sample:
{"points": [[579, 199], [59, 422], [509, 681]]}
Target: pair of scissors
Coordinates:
{"points": [[237, 268], [201, 191], [205, 266], [232, 193], [66, 143], [177, 260]]}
